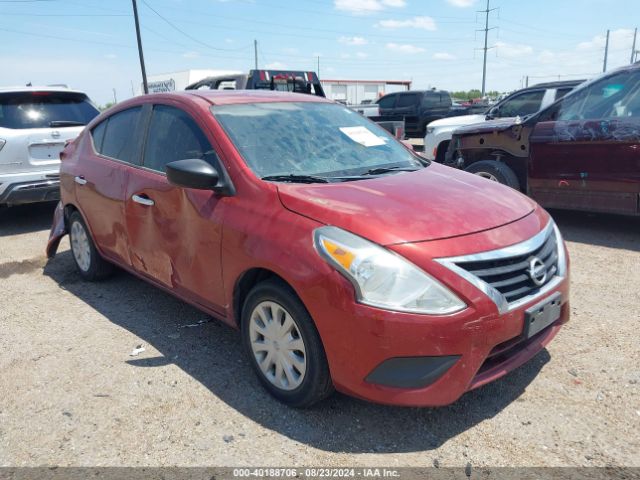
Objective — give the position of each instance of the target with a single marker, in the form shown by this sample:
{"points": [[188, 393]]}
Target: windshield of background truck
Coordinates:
{"points": [[304, 138]]}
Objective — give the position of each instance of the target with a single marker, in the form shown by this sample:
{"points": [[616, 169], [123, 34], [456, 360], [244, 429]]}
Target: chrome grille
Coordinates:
{"points": [[505, 276], [511, 276]]}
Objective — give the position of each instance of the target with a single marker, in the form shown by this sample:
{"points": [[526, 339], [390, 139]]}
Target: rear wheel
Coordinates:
{"points": [[89, 263], [284, 346], [496, 172]]}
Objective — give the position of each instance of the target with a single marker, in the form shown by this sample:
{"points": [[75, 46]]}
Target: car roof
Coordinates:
{"points": [[559, 83], [231, 97], [25, 89]]}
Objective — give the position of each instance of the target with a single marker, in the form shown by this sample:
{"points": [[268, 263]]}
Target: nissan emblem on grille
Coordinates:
{"points": [[537, 271]]}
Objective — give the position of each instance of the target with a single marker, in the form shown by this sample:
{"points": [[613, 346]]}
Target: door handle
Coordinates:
{"points": [[146, 201], [80, 180]]}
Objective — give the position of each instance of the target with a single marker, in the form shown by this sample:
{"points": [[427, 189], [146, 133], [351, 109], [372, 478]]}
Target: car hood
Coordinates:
{"points": [[433, 203], [458, 121], [498, 125]]}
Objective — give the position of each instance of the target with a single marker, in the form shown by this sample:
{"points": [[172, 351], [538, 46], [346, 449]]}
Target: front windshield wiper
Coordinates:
{"points": [[381, 170], [65, 123], [296, 178]]}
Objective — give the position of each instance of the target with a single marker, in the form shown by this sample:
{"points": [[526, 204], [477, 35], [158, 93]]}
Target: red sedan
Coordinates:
{"points": [[345, 260]]}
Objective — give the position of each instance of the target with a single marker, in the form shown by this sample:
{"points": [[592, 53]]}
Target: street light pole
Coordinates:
{"points": [[144, 71]]}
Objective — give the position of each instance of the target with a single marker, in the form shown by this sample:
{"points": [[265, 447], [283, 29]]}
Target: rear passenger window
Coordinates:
{"points": [[523, 104], [561, 92], [173, 135], [407, 100], [431, 100], [120, 140], [98, 135]]}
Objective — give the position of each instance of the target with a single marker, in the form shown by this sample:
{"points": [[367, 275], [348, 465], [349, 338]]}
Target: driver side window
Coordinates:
{"points": [[596, 101], [173, 135]]}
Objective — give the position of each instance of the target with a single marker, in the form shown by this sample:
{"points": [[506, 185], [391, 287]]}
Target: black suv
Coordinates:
{"points": [[417, 108]]}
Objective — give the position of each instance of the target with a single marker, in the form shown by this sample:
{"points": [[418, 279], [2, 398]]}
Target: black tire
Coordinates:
{"points": [[316, 383], [98, 268], [498, 170]]}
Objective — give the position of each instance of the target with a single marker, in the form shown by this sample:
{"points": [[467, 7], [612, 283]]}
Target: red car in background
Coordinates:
{"points": [[345, 260], [580, 153]]}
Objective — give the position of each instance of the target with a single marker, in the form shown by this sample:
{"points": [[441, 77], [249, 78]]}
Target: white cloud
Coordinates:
{"points": [[353, 40], [190, 55], [618, 39], [404, 48], [361, 7], [462, 3], [511, 50], [362, 55], [443, 56], [275, 66], [422, 23]]}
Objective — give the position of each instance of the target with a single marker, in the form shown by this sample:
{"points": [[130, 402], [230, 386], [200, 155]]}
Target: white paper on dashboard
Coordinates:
{"points": [[363, 136]]}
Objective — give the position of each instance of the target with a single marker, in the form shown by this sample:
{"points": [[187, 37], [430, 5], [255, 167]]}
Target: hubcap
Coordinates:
{"points": [[277, 345], [80, 246], [488, 176]]}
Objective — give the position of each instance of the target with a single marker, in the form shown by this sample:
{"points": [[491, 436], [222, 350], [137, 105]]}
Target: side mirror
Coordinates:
{"points": [[493, 113], [193, 173]]}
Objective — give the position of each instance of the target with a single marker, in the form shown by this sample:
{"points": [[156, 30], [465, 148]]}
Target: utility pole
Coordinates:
{"points": [[526, 83], [255, 53], [633, 48], [486, 47], [115, 97], [606, 53], [144, 71]]}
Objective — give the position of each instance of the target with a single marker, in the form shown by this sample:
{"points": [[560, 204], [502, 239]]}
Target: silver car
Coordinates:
{"points": [[35, 124]]}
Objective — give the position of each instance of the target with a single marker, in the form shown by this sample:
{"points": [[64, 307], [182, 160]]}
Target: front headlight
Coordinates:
{"points": [[2, 142], [562, 255], [381, 278], [430, 130]]}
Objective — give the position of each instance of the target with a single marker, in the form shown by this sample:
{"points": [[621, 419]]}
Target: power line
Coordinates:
{"points": [[192, 38]]}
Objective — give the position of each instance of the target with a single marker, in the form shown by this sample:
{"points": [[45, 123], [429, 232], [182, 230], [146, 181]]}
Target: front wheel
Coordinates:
{"points": [[89, 263], [284, 346], [495, 171]]}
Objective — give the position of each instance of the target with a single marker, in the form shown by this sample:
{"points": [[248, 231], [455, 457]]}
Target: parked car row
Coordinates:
{"points": [[581, 152], [346, 260], [521, 103]]}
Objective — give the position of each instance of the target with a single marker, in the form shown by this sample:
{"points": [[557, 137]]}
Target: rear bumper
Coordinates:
{"points": [[33, 191]]}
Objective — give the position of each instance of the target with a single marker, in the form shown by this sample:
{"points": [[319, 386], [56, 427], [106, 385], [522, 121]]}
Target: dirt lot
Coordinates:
{"points": [[71, 394]]}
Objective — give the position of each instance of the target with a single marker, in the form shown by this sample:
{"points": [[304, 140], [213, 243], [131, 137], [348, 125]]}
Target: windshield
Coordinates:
{"points": [[45, 109], [311, 139]]}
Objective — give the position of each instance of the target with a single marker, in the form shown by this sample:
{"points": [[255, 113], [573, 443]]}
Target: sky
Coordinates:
{"points": [[90, 45]]}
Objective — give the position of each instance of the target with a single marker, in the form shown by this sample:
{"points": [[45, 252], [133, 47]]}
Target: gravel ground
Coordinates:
{"points": [[71, 394]]}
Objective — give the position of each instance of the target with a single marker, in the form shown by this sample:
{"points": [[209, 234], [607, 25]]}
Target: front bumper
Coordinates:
{"points": [[437, 358], [483, 347]]}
